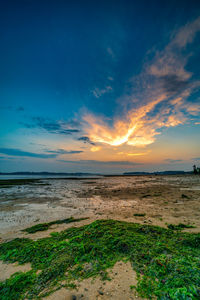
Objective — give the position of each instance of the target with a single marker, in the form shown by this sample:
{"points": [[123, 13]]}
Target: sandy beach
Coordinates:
{"points": [[163, 199], [153, 200]]}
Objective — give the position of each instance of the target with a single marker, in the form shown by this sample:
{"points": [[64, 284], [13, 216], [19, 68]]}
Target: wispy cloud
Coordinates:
{"points": [[111, 52], [18, 152], [95, 148], [86, 140], [158, 97], [6, 157], [58, 127], [97, 92], [98, 162], [12, 108], [133, 154], [172, 161], [48, 154], [62, 151]]}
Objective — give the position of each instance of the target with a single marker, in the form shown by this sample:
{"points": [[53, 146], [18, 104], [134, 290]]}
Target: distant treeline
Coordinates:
{"points": [[158, 173], [196, 170]]}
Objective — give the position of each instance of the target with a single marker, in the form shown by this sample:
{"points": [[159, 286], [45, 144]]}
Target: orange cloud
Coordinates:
{"points": [[95, 148], [133, 154], [160, 100], [131, 131]]}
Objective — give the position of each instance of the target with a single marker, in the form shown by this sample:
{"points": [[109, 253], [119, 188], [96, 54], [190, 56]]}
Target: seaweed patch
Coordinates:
{"points": [[167, 262]]}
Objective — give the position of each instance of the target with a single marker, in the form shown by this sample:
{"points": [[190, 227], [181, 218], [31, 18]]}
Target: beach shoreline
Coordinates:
{"points": [[147, 200], [163, 199]]}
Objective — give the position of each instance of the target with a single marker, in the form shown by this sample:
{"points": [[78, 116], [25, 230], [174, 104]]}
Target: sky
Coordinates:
{"points": [[99, 86]]}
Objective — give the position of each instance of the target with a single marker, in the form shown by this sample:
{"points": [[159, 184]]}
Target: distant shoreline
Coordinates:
{"points": [[177, 172], [81, 176]]}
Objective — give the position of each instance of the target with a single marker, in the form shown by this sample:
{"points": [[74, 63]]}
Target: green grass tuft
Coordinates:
{"points": [[139, 215], [167, 262]]}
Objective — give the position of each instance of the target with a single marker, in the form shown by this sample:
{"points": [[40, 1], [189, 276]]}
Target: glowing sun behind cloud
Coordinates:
{"points": [[162, 101]]}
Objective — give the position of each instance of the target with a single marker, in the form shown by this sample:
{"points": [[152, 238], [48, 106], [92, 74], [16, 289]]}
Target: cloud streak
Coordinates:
{"points": [[86, 140], [97, 92], [51, 153], [57, 127], [98, 162], [18, 152], [62, 151], [158, 97], [12, 108], [173, 161]]}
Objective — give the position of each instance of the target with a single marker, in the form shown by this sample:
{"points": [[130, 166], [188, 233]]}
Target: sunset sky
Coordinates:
{"points": [[99, 86]]}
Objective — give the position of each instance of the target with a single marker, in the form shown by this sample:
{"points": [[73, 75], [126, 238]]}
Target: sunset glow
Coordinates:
{"points": [[104, 90]]}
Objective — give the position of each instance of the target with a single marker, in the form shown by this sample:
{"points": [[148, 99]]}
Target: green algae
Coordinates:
{"points": [[46, 226], [167, 262], [6, 183], [180, 226], [139, 215]]}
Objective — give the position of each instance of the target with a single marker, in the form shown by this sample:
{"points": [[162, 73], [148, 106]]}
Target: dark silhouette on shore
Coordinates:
{"points": [[196, 170]]}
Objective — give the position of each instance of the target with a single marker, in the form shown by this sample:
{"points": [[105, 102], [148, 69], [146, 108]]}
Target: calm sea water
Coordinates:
{"points": [[44, 176]]}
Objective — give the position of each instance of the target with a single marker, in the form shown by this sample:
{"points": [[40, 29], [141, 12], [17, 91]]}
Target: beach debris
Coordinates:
{"points": [[184, 196], [139, 215]]}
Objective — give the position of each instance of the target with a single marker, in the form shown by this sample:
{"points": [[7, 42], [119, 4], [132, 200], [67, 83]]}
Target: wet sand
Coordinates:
{"points": [[161, 199]]}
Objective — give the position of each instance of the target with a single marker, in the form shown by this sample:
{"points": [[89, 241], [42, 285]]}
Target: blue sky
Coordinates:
{"points": [[106, 86]]}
